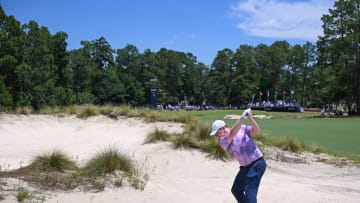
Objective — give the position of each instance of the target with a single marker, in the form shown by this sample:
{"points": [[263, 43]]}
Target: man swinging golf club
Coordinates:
{"points": [[238, 142]]}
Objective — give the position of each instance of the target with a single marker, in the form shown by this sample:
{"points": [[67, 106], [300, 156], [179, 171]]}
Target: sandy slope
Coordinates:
{"points": [[174, 175]]}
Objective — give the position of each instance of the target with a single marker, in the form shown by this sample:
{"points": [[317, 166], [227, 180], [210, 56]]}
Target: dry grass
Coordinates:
{"points": [[55, 171], [157, 135]]}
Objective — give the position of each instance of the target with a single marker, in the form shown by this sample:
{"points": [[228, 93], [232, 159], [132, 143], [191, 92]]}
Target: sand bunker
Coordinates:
{"points": [[174, 175]]}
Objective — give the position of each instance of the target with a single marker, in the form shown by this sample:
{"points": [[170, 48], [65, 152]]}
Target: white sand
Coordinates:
{"points": [[174, 175]]}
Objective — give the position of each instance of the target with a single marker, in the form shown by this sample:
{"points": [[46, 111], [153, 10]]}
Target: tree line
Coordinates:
{"points": [[37, 70]]}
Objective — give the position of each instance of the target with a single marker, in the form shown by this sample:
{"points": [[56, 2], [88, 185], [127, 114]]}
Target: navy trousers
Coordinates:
{"points": [[247, 181]]}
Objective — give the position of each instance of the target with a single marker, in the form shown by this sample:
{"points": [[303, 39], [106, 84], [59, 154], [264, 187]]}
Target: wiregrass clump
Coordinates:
{"points": [[54, 161], [23, 194], [108, 161], [88, 111], [214, 150], [290, 144], [184, 141], [157, 135], [198, 129], [24, 110], [152, 116], [112, 161], [194, 136], [55, 171]]}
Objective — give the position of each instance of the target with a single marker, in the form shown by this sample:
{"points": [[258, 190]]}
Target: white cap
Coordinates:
{"points": [[216, 126]]}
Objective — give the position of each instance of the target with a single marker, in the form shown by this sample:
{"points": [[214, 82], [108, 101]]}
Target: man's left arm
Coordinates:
{"points": [[255, 127]]}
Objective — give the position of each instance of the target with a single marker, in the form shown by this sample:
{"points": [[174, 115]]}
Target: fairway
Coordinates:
{"points": [[341, 136]]}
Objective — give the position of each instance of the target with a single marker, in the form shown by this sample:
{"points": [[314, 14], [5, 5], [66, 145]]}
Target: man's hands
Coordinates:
{"points": [[246, 113]]}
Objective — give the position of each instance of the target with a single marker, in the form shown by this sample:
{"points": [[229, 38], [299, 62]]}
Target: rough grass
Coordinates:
{"points": [[23, 194], [54, 161], [55, 171], [320, 131], [23, 110], [156, 136], [184, 141], [88, 111], [109, 161], [194, 136], [214, 150]]}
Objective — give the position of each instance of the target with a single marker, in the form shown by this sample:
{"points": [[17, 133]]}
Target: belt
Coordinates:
{"points": [[260, 158]]}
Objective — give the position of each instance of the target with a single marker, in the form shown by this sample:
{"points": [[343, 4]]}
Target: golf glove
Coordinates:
{"points": [[246, 113]]}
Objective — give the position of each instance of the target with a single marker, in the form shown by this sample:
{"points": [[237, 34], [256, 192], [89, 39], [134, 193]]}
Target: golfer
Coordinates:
{"points": [[238, 142]]}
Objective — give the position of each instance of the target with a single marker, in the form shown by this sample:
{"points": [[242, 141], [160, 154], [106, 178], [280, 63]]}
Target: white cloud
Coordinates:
{"points": [[282, 19]]}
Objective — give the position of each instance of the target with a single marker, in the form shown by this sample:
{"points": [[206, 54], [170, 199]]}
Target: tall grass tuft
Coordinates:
{"points": [[157, 135], [54, 161], [203, 131], [184, 118], [23, 194], [290, 144], [214, 150], [199, 130], [106, 109], [184, 141], [24, 110], [71, 109], [108, 161], [153, 116], [88, 111], [124, 110], [316, 149], [51, 110]]}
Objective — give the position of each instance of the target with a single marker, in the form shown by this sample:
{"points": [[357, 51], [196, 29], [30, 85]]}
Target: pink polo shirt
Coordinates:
{"points": [[242, 147]]}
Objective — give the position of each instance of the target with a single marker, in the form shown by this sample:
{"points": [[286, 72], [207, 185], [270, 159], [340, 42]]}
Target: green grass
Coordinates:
{"points": [[23, 194], [340, 136]]}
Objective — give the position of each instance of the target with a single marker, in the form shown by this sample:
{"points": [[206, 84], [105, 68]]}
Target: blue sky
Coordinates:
{"points": [[201, 27]]}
